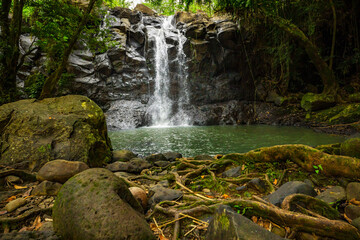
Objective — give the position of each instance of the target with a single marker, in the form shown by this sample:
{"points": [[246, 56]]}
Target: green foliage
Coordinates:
{"points": [[117, 3], [34, 84], [318, 168], [170, 7]]}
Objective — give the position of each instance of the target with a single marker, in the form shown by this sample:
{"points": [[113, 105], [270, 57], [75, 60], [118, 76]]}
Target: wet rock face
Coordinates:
{"points": [[121, 80], [35, 132]]}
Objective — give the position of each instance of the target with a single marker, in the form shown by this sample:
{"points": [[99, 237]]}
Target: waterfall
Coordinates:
{"points": [[163, 109]]}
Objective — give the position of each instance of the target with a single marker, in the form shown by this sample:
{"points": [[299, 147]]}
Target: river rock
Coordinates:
{"points": [[140, 195], [123, 155], [172, 156], [46, 188], [352, 211], [156, 157], [70, 127], [135, 165], [332, 195], [15, 204], [162, 164], [289, 188], [353, 191], [227, 224], [314, 102], [160, 193], [60, 170], [95, 204], [232, 172]]}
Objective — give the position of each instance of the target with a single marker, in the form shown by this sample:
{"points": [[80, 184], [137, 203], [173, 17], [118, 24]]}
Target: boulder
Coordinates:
{"points": [[46, 188], [353, 191], [227, 224], [70, 127], [135, 165], [232, 172], [123, 155], [332, 195], [289, 188], [351, 148], [60, 170], [145, 10], [160, 193], [95, 204], [352, 211], [156, 157], [172, 156], [314, 102]]}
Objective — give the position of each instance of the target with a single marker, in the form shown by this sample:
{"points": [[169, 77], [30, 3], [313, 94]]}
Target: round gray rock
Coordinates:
{"points": [[60, 170], [95, 204]]}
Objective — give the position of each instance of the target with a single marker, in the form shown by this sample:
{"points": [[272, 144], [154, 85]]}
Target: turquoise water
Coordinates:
{"points": [[192, 141]]}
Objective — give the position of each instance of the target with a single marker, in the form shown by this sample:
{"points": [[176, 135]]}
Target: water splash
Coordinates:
{"points": [[163, 110]]}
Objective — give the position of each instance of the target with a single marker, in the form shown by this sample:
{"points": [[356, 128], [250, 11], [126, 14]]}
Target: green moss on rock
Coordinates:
{"points": [[70, 127], [313, 102]]}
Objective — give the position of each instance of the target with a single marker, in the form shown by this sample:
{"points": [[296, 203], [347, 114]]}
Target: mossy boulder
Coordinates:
{"points": [[314, 102], [95, 204], [351, 148], [70, 127], [340, 114]]}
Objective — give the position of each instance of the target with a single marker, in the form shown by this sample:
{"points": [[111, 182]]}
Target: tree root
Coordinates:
{"points": [[320, 226], [14, 221], [304, 156]]}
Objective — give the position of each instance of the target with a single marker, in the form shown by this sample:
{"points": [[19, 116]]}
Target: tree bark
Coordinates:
{"points": [[50, 84], [326, 74], [10, 35]]}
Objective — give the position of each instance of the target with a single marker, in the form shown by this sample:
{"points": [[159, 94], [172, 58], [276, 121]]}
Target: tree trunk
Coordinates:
{"points": [[49, 87], [10, 36], [325, 72]]}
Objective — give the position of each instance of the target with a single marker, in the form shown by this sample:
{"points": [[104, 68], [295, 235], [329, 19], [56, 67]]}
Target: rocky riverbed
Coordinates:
{"points": [[165, 195], [61, 179]]}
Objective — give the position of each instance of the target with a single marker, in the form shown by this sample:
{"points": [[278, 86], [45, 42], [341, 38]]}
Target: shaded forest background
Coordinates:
{"points": [[307, 46]]}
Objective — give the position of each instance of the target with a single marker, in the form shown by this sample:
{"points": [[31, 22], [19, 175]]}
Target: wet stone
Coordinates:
{"points": [[232, 172], [332, 195], [353, 191], [352, 211]]}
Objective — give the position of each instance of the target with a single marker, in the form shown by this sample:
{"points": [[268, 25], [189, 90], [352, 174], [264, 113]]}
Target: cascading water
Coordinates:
{"points": [[163, 110]]}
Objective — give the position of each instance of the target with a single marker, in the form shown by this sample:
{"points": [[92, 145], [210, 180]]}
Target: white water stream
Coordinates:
{"points": [[164, 110]]}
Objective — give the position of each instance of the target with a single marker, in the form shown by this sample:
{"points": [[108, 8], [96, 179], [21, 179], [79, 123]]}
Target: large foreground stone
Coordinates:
{"points": [[70, 127], [227, 224], [95, 204]]}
